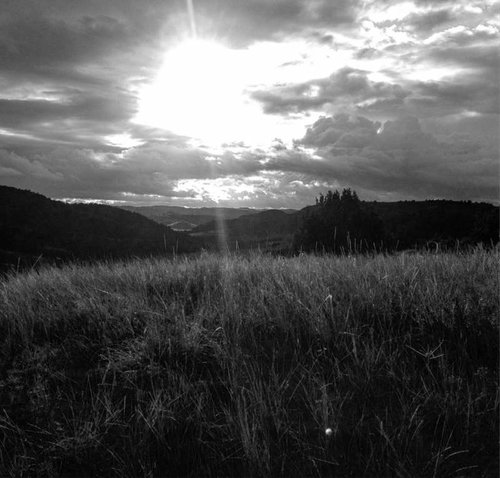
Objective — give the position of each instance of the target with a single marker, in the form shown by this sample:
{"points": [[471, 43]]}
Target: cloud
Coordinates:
{"points": [[398, 17], [17, 166], [428, 21], [71, 73], [483, 57], [243, 22], [151, 169], [94, 29], [473, 93], [343, 89], [393, 160], [84, 174], [63, 80], [403, 159], [341, 129], [80, 119], [38, 42], [351, 90], [78, 106], [58, 51]]}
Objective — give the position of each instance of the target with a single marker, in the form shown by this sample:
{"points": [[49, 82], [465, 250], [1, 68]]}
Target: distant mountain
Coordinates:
{"points": [[33, 226], [172, 215], [271, 229]]}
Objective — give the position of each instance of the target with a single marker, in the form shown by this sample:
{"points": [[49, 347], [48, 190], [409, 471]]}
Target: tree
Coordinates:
{"points": [[338, 223]]}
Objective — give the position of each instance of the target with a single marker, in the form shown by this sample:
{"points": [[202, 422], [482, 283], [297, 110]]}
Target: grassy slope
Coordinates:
{"points": [[235, 366]]}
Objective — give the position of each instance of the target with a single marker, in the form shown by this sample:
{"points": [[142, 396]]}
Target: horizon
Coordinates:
{"points": [[253, 104], [202, 206], [121, 204]]}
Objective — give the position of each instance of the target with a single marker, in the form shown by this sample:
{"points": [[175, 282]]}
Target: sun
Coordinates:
{"points": [[199, 92], [203, 90]]}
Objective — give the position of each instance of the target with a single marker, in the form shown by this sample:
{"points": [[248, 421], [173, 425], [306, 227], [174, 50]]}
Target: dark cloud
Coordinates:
{"points": [[428, 21], [474, 93], [42, 44], [401, 158], [48, 52], [242, 22], [483, 127], [289, 100], [477, 92], [80, 119], [341, 129], [421, 23], [25, 113], [344, 88], [368, 53], [477, 57]]}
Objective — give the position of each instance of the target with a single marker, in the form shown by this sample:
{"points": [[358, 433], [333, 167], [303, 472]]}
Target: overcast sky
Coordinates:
{"points": [[260, 103]]}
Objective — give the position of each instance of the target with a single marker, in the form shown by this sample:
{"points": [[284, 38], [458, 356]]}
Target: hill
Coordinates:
{"points": [[34, 227], [171, 215], [405, 225], [414, 223], [271, 229]]}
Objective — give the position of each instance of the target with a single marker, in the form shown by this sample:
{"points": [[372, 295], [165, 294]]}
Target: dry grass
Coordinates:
{"points": [[235, 366]]}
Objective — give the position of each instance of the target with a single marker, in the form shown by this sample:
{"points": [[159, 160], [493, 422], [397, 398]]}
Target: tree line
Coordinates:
{"points": [[340, 222]]}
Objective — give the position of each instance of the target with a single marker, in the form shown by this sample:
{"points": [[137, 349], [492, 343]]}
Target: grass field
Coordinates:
{"points": [[236, 366]]}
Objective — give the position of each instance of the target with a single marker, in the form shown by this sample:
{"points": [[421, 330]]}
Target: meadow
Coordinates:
{"points": [[235, 365]]}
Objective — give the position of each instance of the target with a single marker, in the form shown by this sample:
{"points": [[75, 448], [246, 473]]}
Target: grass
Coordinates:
{"points": [[235, 366]]}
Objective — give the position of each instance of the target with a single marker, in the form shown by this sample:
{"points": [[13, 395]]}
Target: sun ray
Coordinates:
{"points": [[192, 19]]}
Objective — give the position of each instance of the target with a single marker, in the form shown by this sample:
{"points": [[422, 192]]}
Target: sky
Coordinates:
{"points": [[250, 103]]}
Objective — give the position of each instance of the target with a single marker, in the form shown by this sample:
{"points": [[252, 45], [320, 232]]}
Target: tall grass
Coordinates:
{"points": [[235, 366]]}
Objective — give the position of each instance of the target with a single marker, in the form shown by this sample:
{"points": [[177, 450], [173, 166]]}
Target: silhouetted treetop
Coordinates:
{"points": [[339, 222]]}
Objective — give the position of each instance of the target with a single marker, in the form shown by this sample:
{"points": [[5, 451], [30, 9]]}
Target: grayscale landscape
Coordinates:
{"points": [[249, 238]]}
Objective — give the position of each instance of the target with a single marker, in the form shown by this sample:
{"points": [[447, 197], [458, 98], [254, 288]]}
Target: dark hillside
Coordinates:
{"points": [[265, 223], [273, 229], [415, 223], [32, 225], [400, 225]]}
